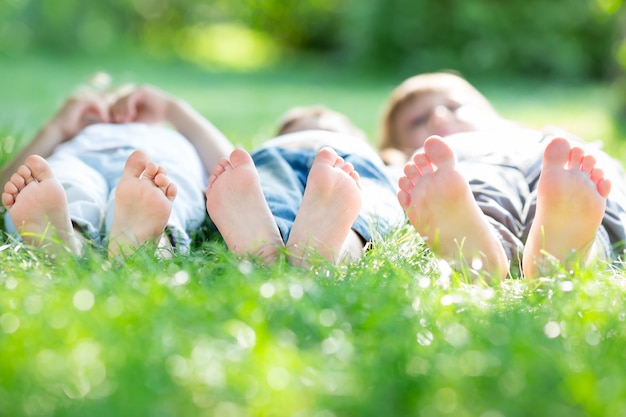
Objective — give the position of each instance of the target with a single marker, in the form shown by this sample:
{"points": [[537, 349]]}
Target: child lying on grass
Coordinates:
{"points": [[317, 188], [106, 173], [489, 194]]}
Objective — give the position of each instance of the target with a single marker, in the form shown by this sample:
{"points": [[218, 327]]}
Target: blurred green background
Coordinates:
{"points": [[244, 62], [566, 39]]}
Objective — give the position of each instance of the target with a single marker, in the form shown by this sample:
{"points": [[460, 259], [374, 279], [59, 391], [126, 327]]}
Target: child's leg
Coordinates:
{"points": [[441, 207], [380, 212], [237, 207], [283, 175], [143, 202], [38, 207], [571, 198], [331, 203]]}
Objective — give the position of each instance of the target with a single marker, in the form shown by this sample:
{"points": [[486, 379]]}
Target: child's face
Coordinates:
{"points": [[440, 113]]}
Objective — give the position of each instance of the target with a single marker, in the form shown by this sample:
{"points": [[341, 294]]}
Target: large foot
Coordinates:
{"points": [[37, 204], [441, 207], [143, 203], [331, 203], [571, 198], [237, 207]]}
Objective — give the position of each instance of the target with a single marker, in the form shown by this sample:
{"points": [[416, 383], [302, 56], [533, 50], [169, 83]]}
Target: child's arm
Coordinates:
{"points": [[76, 113], [150, 105]]}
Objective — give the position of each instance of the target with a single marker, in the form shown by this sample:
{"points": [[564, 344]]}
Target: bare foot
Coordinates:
{"points": [[331, 203], [37, 204], [237, 206], [440, 205], [571, 198], [143, 203]]}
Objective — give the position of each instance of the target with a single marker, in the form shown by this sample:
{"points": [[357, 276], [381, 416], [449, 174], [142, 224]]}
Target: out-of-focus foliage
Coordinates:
{"points": [[570, 38], [564, 39], [312, 24], [243, 34]]}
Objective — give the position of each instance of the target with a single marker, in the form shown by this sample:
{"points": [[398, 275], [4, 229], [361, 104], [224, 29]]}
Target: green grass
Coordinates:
{"points": [[208, 334]]}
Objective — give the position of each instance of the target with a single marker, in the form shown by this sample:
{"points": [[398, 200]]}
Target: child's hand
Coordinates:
{"points": [[78, 112], [144, 104]]}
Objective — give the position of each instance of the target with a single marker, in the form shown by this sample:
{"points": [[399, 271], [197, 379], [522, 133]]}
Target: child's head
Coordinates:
{"points": [[316, 118], [433, 104]]}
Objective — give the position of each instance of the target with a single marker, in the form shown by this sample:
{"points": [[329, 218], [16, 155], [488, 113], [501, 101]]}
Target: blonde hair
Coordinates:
{"points": [[316, 117], [415, 87]]}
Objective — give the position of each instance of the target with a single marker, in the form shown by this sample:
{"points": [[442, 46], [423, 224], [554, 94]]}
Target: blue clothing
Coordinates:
{"points": [[90, 165], [284, 164]]}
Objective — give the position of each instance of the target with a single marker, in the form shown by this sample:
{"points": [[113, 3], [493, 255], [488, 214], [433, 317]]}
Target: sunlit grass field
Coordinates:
{"points": [[208, 334]]}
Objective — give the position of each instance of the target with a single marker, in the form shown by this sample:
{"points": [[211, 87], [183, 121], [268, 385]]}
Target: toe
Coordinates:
{"points": [[576, 156], [404, 198], [151, 171], [10, 188], [171, 191], [348, 168], [412, 171], [405, 184], [162, 181], [240, 157], [136, 163], [604, 187], [439, 153], [8, 200], [328, 156], [557, 152], [596, 175], [220, 168], [18, 181], [424, 164], [588, 163], [38, 168]]}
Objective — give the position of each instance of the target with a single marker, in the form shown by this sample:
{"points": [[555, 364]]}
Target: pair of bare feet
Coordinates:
{"points": [[331, 203], [38, 206], [571, 199]]}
